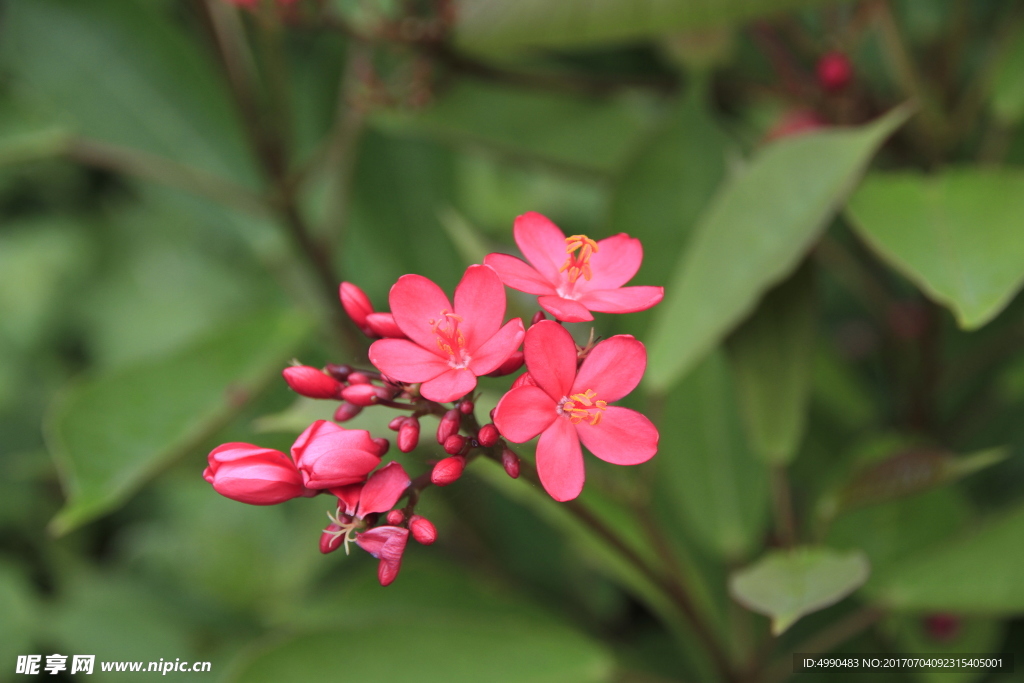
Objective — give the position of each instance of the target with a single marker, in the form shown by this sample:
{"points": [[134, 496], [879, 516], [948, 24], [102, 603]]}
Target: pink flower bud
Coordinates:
{"points": [[488, 435], [357, 305], [454, 444], [383, 445], [409, 435], [346, 411], [942, 627], [364, 394], [329, 542], [510, 461], [511, 364], [395, 517], [328, 455], [254, 475], [537, 317], [834, 71], [396, 423], [358, 378], [448, 471], [466, 407], [449, 425], [338, 372], [422, 530], [384, 325], [310, 382], [523, 380]]}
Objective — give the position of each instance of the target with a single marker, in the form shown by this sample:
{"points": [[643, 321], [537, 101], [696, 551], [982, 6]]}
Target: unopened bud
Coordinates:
{"points": [[454, 444], [511, 364], [942, 627], [447, 471], [396, 423], [358, 378], [408, 435], [834, 71], [537, 317], [338, 372], [395, 517], [510, 461], [523, 380], [330, 540], [422, 530], [382, 446], [449, 425], [364, 394], [384, 325], [466, 407], [310, 382], [346, 411], [357, 305], [488, 435]]}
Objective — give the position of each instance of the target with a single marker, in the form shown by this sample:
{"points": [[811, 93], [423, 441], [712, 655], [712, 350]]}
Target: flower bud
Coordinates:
{"points": [[346, 411], [942, 627], [488, 435], [383, 445], [338, 372], [511, 364], [834, 71], [357, 305], [447, 471], [523, 380], [396, 423], [449, 425], [330, 541], [386, 543], [310, 382], [537, 317], [510, 461], [254, 475], [358, 378], [422, 530], [466, 407], [328, 455], [408, 435], [364, 394], [395, 517], [384, 325], [454, 444]]}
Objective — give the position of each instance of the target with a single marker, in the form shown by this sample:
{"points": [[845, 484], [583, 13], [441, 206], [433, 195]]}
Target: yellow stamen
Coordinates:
{"points": [[578, 263]]}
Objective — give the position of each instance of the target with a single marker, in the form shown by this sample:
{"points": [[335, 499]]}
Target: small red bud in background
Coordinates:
{"points": [[357, 305], [422, 530], [510, 461], [447, 471], [338, 372], [329, 542], [364, 394], [346, 411], [382, 446], [834, 71], [395, 517], [942, 627], [358, 378], [794, 122], [396, 423], [513, 363], [454, 444], [537, 317], [384, 325], [310, 382], [449, 425], [466, 407], [488, 435], [409, 435]]}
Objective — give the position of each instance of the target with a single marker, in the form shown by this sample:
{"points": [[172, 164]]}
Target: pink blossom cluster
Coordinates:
{"points": [[428, 352]]}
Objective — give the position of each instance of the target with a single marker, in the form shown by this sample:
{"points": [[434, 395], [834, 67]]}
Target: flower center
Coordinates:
{"points": [[584, 406], [450, 339], [580, 248], [349, 525]]}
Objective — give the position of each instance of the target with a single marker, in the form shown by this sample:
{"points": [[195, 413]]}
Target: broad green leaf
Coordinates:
{"points": [[772, 356], [707, 474], [981, 572], [112, 433], [788, 584], [18, 605], [955, 234], [494, 24], [753, 235], [1008, 85]]}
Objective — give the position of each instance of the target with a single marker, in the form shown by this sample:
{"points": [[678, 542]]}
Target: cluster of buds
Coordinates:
{"points": [[427, 354]]}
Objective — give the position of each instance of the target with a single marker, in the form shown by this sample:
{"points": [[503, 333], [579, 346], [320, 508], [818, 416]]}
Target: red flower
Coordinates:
{"points": [[448, 347], [379, 494], [567, 407], [328, 455], [254, 475], [574, 275], [386, 543]]}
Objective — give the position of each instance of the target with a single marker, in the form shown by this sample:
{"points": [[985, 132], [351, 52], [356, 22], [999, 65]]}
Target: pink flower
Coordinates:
{"points": [[574, 275], [568, 406], [310, 382], [328, 455], [379, 494], [386, 543], [254, 475], [448, 347]]}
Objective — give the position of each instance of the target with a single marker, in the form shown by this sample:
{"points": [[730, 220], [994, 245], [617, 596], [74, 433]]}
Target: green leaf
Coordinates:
{"points": [[752, 236], [788, 584], [707, 474], [495, 24], [111, 434], [772, 357], [1008, 84], [955, 234], [978, 573], [17, 604]]}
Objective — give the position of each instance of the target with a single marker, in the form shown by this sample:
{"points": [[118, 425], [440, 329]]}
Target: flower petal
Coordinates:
{"points": [[543, 245], [566, 310], [560, 461], [622, 437], [405, 361], [348, 497], [383, 489], [623, 299], [551, 358], [519, 275], [449, 385], [480, 302], [384, 542], [415, 301], [496, 350], [524, 413], [615, 262], [613, 368]]}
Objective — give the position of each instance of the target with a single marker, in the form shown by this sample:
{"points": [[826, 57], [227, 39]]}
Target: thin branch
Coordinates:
{"points": [[782, 503]]}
